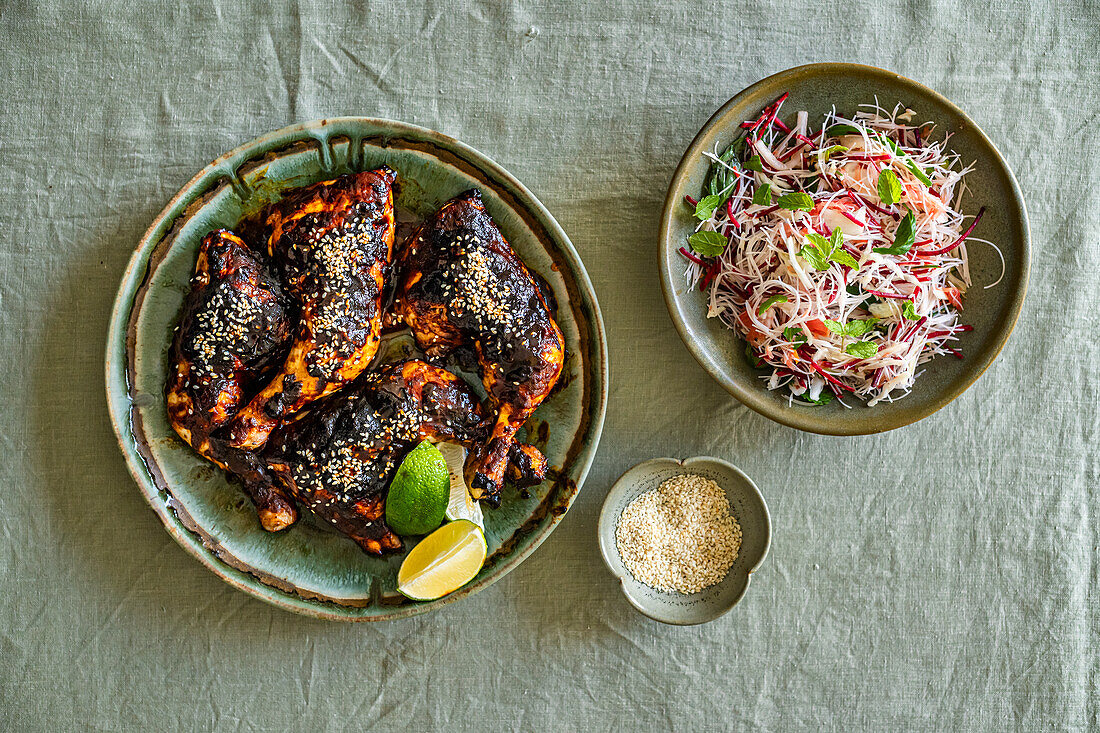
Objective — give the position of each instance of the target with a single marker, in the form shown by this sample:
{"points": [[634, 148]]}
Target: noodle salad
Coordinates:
{"points": [[839, 256]]}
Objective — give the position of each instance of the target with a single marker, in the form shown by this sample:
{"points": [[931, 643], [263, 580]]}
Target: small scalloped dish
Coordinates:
{"points": [[746, 505]]}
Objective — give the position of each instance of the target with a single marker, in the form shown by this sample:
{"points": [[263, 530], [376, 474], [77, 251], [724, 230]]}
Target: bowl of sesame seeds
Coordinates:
{"points": [[684, 537]]}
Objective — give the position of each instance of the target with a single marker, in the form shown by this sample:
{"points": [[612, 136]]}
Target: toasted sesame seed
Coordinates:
{"points": [[680, 536]]}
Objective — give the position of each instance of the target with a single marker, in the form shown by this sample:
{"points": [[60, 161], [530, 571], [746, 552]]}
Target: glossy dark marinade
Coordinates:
{"points": [[339, 459], [332, 246], [461, 288], [233, 324]]}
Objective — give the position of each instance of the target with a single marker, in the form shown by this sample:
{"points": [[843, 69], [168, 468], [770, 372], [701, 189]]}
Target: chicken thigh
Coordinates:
{"points": [[234, 323], [461, 286], [332, 246], [339, 459]]}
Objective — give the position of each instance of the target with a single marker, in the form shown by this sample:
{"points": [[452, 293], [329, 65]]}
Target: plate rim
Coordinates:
{"points": [[117, 352], [752, 398]]}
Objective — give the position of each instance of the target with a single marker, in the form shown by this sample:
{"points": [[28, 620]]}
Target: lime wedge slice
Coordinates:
{"points": [[443, 562], [461, 504]]}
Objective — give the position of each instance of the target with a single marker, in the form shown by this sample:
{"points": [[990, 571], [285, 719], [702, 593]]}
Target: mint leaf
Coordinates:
{"points": [[836, 239], [819, 241], [762, 196], [889, 189], [815, 257], [708, 244], [855, 329], [913, 167], [755, 164], [909, 310], [823, 399], [828, 152], [862, 349], [796, 200], [770, 302], [705, 208], [794, 335], [844, 258], [904, 237]]}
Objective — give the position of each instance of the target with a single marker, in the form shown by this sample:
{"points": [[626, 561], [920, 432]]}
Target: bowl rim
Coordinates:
{"points": [[754, 397], [126, 306], [607, 546]]}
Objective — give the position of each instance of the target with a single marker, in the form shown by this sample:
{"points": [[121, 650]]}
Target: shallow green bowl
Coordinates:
{"points": [[310, 568], [816, 88]]}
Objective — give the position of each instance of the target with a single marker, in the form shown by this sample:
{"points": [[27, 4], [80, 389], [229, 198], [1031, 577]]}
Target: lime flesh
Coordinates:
{"points": [[443, 562]]}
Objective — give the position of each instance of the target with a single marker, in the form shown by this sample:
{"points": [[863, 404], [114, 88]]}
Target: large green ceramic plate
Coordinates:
{"points": [[309, 568], [993, 312]]}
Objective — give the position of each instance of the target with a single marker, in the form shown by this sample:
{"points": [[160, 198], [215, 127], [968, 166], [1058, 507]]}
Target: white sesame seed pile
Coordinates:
{"points": [[679, 536]]}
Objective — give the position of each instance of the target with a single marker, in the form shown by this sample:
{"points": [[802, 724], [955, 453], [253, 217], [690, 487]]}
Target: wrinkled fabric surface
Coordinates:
{"points": [[942, 576]]}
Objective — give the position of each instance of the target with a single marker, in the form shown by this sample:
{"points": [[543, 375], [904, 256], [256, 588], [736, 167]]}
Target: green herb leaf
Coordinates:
{"points": [[828, 152], [705, 208], [855, 329], [770, 302], [708, 244], [796, 201], [904, 237], [844, 258], [909, 310], [721, 178], [889, 189], [843, 129], [862, 349], [794, 335], [823, 399], [753, 359], [815, 257], [762, 196], [913, 167], [755, 164]]}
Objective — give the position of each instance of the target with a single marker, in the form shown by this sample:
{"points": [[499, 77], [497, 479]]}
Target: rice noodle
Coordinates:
{"points": [[764, 261]]}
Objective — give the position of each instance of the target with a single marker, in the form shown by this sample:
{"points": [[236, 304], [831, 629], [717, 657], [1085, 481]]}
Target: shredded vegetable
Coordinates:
{"points": [[838, 255]]}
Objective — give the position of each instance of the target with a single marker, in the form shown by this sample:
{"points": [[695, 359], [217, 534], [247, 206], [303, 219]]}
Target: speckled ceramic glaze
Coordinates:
{"points": [[309, 568], [993, 312], [746, 505]]}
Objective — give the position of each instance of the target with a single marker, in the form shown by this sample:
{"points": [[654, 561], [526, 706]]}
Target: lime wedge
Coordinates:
{"points": [[419, 492], [461, 504], [443, 562]]}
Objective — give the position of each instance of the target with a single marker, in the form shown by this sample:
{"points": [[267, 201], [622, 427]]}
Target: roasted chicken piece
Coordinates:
{"points": [[234, 323], [339, 458], [332, 246], [460, 286]]}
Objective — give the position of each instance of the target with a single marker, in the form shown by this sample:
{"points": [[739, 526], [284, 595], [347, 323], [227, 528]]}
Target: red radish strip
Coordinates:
{"points": [[872, 207], [692, 257], [691, 201], [881, 294], [828, 377], [958, 241], [955, 352]]}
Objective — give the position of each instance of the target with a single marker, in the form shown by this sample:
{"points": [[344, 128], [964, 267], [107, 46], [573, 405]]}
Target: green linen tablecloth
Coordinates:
{"points": [[942, 576]]}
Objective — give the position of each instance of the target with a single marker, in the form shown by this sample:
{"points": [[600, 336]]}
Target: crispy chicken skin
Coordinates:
{"points": [[234, 322], [339, 458], [461, 286], [332, 246]]}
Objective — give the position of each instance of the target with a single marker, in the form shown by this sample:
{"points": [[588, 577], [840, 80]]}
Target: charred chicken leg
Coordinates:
{"points": [[461, 286], [339, 459], [234, 322], [332, 245]]}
